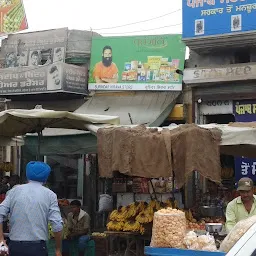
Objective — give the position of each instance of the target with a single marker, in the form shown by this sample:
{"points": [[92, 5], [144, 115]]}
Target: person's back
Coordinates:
{"points": [[29, 211], [30, 208]]}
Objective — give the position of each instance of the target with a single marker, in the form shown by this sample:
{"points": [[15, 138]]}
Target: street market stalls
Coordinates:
{"points": [[132, 151], [239, 133]]}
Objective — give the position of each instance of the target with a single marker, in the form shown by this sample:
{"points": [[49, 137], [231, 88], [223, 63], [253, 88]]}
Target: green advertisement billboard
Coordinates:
{"points": [[137, 63]]}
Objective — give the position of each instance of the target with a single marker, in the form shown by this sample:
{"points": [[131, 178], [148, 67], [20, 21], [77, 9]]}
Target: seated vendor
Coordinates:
{"points": [[78, 223], [243, 206]]}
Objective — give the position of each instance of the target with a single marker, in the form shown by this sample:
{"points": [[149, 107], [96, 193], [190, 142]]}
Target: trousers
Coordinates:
{"points": [[81, 243], [33, 248]]}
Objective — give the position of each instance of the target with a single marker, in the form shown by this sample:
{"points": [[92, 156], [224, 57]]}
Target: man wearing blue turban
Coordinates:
{"points": [[31, 206]]}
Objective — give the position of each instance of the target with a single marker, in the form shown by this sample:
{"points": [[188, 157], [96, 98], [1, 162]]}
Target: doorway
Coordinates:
{"points": [[219, 119]]}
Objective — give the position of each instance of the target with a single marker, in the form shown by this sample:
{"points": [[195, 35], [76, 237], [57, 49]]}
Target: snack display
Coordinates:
{"points": [[202, 243], [169, 227], [236, 233]]}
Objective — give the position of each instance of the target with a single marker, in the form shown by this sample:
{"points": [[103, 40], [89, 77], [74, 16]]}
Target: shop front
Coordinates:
{"points": [[222, 95], [220, 85]]}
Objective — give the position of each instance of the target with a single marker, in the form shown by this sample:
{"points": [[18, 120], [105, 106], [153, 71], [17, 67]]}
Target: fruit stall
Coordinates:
{"points": [[134, 151]]}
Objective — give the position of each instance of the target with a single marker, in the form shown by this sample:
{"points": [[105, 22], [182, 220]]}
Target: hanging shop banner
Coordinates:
{"points": [[35, 49], [12, 17], [137, 63], [245, 111], [202, 18], [57, 77]]}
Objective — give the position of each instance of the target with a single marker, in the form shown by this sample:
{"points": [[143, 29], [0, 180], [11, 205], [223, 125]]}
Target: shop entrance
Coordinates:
{"points": [[219, 119]]}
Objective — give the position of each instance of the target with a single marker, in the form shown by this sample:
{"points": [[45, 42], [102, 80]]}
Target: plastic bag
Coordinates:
{"points": [[205, 241], [210, 248], [105, 203], [202, 243], [169, 228], [236, 233], [190, 240]]}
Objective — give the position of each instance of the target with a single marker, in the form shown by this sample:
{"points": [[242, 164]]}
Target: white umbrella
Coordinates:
{"points": [[15, 122]]}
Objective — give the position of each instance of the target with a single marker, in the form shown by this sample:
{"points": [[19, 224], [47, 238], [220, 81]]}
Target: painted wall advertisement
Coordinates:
{"points": [[245, 111], [35, 49], [12, 17], [57, 77], [137, 63], [215, 17]]}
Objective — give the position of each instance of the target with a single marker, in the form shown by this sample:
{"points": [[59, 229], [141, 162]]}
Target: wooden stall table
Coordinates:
{"points": [[135, 242]]}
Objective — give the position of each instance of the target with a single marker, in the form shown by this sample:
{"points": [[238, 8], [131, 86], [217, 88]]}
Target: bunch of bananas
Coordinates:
{"points": [[144, 218], [132, 217], [65, 232], [131, 211], [154, 204], [132, 226], [98, 234], [141, 206], [118, 215], [142, 230], [189, 215], [115, 225]]}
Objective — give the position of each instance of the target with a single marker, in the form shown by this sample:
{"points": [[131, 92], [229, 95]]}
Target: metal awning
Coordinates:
{"points": [[143, 107]]}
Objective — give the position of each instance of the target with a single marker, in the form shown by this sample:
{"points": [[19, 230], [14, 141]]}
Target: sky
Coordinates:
{"points": [[103, 16], [97, 14]]}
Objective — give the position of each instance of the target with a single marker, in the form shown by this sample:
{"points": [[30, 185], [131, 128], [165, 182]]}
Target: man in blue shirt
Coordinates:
{"points": [[31, 207]]}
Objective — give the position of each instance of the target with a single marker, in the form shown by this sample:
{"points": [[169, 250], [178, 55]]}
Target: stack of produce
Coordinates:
{"points": [[135, 217], [193, 224], [169, 228], [98, 234]]}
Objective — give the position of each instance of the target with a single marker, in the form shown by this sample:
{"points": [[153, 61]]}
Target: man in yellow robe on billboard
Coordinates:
{"points": [[106, 71]]}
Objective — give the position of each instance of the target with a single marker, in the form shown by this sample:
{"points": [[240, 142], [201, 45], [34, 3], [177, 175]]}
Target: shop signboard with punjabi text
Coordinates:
{"points": [[204, 18], [56, 77], [245, 111]]}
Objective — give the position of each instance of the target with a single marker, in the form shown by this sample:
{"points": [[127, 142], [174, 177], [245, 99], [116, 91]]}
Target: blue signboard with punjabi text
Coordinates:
{"points": [[214, 17], [245, 111]]}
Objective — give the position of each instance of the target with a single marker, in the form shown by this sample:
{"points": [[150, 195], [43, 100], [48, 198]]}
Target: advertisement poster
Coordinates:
{"points": [[56, 77], [137, 63], [35, 49], [12, 17], [217, 17], [245, 111]]}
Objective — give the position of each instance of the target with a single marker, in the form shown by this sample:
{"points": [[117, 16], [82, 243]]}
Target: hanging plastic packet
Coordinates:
{"points": [[3, 249]]}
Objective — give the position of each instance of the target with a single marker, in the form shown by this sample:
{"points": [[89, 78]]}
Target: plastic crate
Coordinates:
{"points": [[149, 251]]}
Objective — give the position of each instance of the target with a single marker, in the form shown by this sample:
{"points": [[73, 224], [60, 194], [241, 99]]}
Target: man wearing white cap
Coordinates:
{"points": [[31, 207], [243, 206]]}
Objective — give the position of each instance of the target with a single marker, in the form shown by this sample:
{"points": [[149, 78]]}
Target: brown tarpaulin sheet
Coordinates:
{"points": [[151, 153]]}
